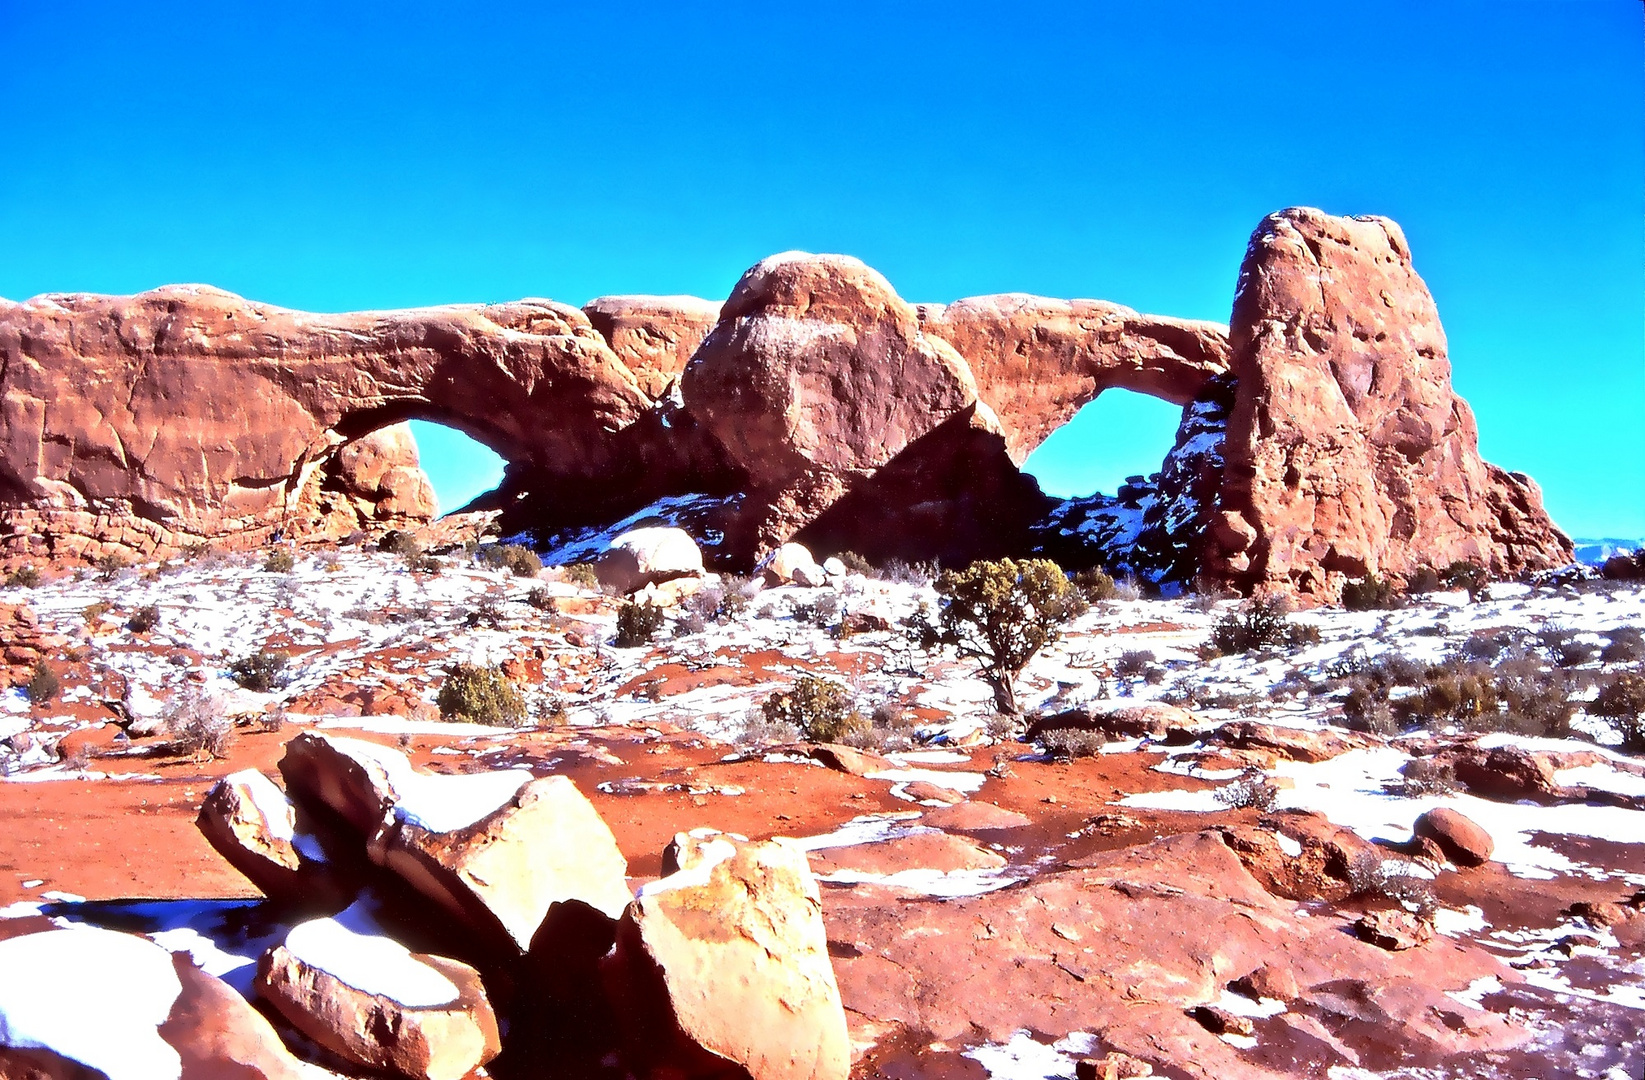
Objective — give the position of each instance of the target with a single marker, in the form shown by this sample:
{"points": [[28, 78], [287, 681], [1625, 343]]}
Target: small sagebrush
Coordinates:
{"points": [[1372, 875], [582, 575], [197, 723], [280, 561], [517, 559], [1260, 624], [1066, 744], [144, 619], [1251, 791], [480, 695], [1371, 593], [24, 577]]}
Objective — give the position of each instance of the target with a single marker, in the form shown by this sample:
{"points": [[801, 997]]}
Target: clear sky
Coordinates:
{"points": [[332, 156]]}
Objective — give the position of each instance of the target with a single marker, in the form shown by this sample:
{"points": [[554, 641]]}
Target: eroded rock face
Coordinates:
{"points": [[188, 414], [724, 966], [817, 376], [1037, 361], [654, 336], [1347, 451]]}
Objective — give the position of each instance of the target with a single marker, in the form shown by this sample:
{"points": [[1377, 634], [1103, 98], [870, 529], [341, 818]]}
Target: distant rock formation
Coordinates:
{"points": [[1321, 439]]}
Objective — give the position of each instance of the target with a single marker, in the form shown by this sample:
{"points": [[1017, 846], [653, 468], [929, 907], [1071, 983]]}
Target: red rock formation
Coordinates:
{"points": [[816, 377], [187, 414], [1347, 451], [653, 335], [1038, 361]]}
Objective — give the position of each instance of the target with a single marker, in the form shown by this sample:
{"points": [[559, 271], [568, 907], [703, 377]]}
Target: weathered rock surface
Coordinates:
{"points": [[251, 823], [165, 1016], [792, 564], [1393, 930], [1462, 840], [1321, 438], [654, 336], [724, 966], [1037, 361], [1125, 944], [931, 850], [1348, 452], [377, 1005]]}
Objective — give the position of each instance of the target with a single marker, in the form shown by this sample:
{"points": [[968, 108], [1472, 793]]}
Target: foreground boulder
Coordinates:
{"points": [[724, 966], [83, 1003], [251, 823], [377, 1005], [496, 850]]}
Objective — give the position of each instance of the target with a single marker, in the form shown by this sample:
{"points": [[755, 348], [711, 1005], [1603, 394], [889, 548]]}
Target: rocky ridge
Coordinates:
{"points": [[814, 404]]}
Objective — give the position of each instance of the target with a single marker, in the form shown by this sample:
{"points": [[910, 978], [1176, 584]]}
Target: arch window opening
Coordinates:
{"points": [[1118, 438], [460, 468]]}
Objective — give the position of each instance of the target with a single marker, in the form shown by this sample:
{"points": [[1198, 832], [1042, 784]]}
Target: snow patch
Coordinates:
{"points": [[351, 947]]}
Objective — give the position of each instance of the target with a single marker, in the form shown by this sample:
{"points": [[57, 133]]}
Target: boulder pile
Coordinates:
{"points": [[441, 924]]}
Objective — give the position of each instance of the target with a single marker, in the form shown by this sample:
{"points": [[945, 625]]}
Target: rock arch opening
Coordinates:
{"points": [[459, 467], [1117, 438]]}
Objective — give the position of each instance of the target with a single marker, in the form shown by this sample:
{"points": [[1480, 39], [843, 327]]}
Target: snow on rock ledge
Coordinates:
{"points": [[251, 823], [373, 1002], [119, 1004]]}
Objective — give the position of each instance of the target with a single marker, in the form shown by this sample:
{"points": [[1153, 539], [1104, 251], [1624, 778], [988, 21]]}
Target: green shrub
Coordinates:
{"points": [[418, 563], [1458, 691], [144, 619], [24, 577], [1463, 574], [94, 611], [43, 685], [543, 600], [637, 624], [820, 708], [855, 564], [582, 575], [280, 561], [480, 695], [1624, 645], [1260, 624], [396, 542], [1000, 614], [262, 671], [1424, 579], [1371, 593], [1096, 585], [519, 560], [1621, 700], [1133, 662], [109, 565]]}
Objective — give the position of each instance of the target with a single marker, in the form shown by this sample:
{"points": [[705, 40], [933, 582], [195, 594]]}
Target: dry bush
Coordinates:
{"points": [[1095, 585], [1621, 701], [1260, 624], [24, 577], [517, 559], [1372, 875], [197, 723], [1133, 662], [855, 564], [1253, 790], [262, 671], [43, 685], [582, 575], [637, 624], [396, 542], [280, 561], [1371, 593], [144, 619], [1065, 744], [1422, 777]]}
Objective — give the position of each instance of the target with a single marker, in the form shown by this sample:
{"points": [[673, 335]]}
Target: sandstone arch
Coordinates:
{"points": [[188, 414]]}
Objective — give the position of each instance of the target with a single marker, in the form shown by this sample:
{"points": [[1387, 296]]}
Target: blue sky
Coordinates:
{"points": [[393, 155]]}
